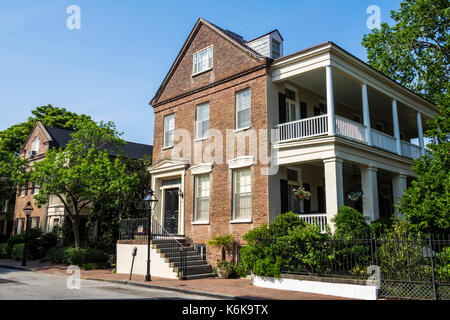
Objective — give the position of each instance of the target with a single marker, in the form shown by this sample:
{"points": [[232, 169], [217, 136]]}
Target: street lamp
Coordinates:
{"points": [[28, 210], [150, 202]]}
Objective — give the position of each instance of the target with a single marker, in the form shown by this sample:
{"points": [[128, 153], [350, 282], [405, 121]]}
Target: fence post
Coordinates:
{"points": [[182, 265], [432, 267]]}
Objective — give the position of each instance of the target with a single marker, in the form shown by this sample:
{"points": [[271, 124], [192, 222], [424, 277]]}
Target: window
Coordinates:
{"points": [[55, 222], [292, 109], [292, 175], [323, 108], [35, 222], [203, 60], [202, 189], [276, 52], [242, 194], [243, 109], [169, 128], [202, 121], [19, 225], [35, 145], [25, 189]]}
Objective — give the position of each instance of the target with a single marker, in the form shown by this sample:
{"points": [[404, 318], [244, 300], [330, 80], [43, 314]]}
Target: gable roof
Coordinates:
{"points": [[235, 39], [132, 150]]}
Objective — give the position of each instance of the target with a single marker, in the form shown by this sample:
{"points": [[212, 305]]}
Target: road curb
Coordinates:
{"points": [[154, 286], [16, 267]]}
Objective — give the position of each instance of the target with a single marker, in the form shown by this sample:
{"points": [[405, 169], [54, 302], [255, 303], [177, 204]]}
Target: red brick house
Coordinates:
{"points": [[329, 122]]}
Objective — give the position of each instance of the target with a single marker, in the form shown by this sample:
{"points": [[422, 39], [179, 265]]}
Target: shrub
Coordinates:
{"points": [[237, 270], [288, 243], [48, 240], [17, 251], [350, 224], [224, 242], [56, 255], [81, 256], [382, 225], [4, 250], [443, 267]]}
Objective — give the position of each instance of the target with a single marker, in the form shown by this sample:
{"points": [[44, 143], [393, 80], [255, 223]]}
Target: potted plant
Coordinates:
{"points": [[355, 195], [302, 194], [224, 242]]}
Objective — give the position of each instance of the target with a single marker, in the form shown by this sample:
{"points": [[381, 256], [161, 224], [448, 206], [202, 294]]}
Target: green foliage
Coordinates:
{"points": [[443, 267], [287, 243], [415, 52], [4, 250], [222, 241], [88, 258], [17, 251], [48, 240], [350, 224], [237, 270], [56, 255], [382, 225]]}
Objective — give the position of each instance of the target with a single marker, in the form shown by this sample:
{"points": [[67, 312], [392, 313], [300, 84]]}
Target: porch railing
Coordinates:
{"points": [[411, 150], [351, 129], [308, 127], [319, 219], [383, 141]]}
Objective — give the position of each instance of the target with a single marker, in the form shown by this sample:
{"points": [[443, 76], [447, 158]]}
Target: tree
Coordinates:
{"points": [[83, 172], [415, 52], [13, 138], [107, 211]]}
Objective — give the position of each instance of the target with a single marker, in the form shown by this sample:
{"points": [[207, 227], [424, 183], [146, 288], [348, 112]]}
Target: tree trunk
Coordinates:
{"points": [[76, 230]]}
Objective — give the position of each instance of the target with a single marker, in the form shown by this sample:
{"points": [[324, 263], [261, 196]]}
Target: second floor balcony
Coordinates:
{"points": [[325, 91]]}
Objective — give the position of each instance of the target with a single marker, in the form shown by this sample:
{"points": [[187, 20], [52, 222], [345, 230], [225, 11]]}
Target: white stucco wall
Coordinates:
{"points": [[354, 291], [158, 267]]}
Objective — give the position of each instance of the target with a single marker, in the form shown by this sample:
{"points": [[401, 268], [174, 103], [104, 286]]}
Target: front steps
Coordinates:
{"points": [[196, 267]]}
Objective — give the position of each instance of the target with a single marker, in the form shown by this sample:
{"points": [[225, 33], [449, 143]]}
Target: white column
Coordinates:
{"points": [[300, 182], [370, 190], [366, 114], [420, 131], [398, 187], [396, 127], [334, 189], [330, 101]]}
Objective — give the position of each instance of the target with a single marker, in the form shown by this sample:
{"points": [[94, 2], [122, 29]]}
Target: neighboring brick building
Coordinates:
{"points": [[51, 214], [322, 135]]}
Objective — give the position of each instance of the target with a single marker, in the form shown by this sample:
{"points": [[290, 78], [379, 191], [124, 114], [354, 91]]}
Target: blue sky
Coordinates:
{"points": [[113, 65]]}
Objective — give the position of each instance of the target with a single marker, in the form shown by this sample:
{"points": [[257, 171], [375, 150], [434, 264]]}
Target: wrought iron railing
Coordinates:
{"points": [[136, 231]]}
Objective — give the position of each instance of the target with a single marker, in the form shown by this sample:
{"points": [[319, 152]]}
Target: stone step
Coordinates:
{"points": [[200, 276], [172, 249], [189, 263], [177, 254], [188, 258], [191, 270]]}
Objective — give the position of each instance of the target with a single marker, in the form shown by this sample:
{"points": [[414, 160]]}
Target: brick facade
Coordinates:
{"points": [[181, 95]]}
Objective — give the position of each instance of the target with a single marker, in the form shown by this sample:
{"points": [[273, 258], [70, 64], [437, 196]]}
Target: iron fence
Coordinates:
{"points": [[137, 231], [408, 266]]}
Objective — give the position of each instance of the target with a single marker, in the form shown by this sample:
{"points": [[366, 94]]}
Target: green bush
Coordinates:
{"points": [[77, 256], [382, 225], [17, 251], [48, 240], [4, 250], [288, 243], [237, 270], [350, 224], [56, 255], [443, 265]]}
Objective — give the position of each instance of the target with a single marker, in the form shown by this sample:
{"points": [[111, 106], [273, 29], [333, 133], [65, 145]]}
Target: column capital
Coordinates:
{"points": [[333, 159], [401, 176], [369, 168]]}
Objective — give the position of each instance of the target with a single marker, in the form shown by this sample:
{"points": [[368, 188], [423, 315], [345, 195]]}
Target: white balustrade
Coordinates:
{"points": [[383, 141], [319, 219], [411, 150], [350, 129], [308, 127]]}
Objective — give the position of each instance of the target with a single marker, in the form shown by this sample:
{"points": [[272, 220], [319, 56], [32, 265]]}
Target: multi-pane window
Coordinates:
{"points": [[35, 222], [202, 191], [169, 128], [243, 104], [242, 194], [19, 226], [276, 52], [202, 121], [35, 145], [292, 108], [203, 60]]}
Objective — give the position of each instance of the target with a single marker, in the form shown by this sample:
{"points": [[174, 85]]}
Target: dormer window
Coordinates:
{"points": [[203, 60], [276, 49]]}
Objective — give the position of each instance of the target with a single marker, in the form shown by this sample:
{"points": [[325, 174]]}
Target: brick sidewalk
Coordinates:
{"points": [[239, 288]]}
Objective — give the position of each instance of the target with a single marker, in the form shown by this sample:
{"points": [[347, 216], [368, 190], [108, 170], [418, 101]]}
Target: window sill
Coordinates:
{"points": [[200, 222], [201, 72], [168, 147], [241, 221], [241, 129], [201, 139]]}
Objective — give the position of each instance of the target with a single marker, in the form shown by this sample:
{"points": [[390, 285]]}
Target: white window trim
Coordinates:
{"points": [[201, 168], [241, 162], [212, 62], [195, 200], [196, 122], [237, 129], [240, 220], [164, 132], [296, 102]]}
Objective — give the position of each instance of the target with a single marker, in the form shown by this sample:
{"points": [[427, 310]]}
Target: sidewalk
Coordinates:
{"points": [[226, 288]]}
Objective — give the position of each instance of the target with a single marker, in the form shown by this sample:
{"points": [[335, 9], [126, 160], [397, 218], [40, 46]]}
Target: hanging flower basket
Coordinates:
{"points": [[302, 194], [355, 195]]}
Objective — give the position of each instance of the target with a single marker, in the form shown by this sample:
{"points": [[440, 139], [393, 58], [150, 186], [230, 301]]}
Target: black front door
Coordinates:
{"points": [[171, 210]]}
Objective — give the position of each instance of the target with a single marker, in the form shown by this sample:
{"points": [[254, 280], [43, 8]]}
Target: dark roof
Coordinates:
{"points": [[132, 150]]}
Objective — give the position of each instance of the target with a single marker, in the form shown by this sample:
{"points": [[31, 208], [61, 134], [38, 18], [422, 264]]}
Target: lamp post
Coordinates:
{"points": [[28, 210], [150, 202]]}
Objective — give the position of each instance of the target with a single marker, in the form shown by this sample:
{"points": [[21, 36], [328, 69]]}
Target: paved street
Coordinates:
{"points": [[17, 284]]}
